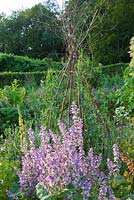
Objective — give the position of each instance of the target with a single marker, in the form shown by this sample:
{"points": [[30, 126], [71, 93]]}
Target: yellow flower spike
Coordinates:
{"points": [[21, 129], [132, 121]]}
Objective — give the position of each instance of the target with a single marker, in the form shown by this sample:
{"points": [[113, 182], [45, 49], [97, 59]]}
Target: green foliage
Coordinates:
{"points": [[36, 103], [114, 69], [8, 162], [97, 105], [93, 89], [44, 104], [121, 186], [10, 156], [109, 75], [35, 32], [8, 176], [110, 37], [13, 63], [126, 142], [40, 102], [10, 98], [126, 93], [25, 78], [42, 194]]}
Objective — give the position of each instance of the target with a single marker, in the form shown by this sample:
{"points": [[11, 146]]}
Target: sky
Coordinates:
{"points": [[7, 6]]}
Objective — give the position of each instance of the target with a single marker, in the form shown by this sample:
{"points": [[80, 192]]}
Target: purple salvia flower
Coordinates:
{"points": [[103, 191], [31, 138], [11, 195], [110, 167], [116, 157], [111, 193], [61, 160], [113, 166]]}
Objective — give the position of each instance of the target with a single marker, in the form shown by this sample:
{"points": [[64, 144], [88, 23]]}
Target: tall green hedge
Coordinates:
{"points": [[113, 69], [25, 78], [13, 63]]}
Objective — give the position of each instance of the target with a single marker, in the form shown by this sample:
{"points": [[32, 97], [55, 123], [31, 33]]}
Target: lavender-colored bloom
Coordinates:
{"points": [[111, 193], [113, 166], [103, 191], [116, 153], [11, 195], [110, 167], [61, 160]]}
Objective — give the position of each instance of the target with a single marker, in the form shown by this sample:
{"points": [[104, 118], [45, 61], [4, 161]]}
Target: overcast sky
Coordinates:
{"points": [[7, 6]]}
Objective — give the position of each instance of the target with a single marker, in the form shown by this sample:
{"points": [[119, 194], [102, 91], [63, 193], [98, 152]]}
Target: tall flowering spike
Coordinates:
{"points": [[111, 194], [113, 166], [62, 127], [103, 191], [110, 167], [61, 160], [116, 158], [31, 138], [21, 128], [131, 52], [74, 109]]}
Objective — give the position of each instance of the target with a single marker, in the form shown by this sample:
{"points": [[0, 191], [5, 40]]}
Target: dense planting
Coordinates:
{"points": [[84, 174], [61, 160], [90, 153]]}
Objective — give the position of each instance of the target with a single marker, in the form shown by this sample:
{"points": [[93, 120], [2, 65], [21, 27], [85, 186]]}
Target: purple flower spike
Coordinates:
{"points": [[61, 160]]}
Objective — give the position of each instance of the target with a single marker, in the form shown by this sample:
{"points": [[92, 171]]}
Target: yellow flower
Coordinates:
{"points": [[126, 173]]}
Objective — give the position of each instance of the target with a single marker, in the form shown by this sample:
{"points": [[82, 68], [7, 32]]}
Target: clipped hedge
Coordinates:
{"points": [[108, 71], [113, 69], [14, 63], [6, 78]]}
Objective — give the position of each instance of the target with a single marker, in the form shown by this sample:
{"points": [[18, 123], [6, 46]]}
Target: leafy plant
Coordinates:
{"points": [[43, 194], [10, 97], [126, 93], [60, 161], [8, 178]]}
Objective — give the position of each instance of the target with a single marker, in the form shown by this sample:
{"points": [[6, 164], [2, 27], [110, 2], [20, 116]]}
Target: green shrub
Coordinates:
{"points": [[10, 155], [9, 160], [125, 97], [10, 98], [41, 101], [8, 176], [126, 93], [25, 78], [113, 69], [13, 63]]}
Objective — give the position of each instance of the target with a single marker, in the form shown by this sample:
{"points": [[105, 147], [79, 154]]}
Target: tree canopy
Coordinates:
{"points": [[37, 32], [110, 38], [34, 32]]}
